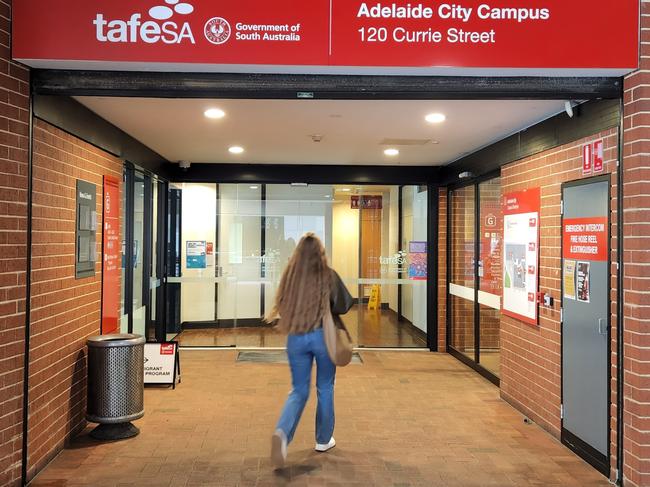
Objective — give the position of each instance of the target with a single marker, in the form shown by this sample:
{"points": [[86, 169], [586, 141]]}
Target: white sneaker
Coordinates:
{"points": [[278, 448], [323, 447]]}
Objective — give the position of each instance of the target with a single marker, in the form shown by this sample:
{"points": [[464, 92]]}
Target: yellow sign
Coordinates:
{"points": [[375, 297]]}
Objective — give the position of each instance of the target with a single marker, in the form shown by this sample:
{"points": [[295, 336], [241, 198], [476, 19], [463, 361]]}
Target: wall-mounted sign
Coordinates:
{"points": [[593, 158], [342, 36], [587, 159], [111, 250], [521, 212], [195, 254], [85, 230], [161, 363], [585, 238], [417, 260], [366, 202], [598, 156]]}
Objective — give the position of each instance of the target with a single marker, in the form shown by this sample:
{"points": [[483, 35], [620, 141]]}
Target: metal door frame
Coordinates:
{"points": [[571, 441]]}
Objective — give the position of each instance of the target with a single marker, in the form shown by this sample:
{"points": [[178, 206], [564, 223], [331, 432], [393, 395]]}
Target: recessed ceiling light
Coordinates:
{"points": [[391, 152], [254, 187], [214, 113], [346, 190], [435, 142], [435, 118], [235, 149], [328, 196]]}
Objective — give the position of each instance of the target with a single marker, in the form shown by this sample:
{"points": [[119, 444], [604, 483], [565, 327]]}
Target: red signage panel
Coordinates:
{"points": [[521, 231], [366, 202], [111, 256], [587, 159], [585, 238], [598, 156], [206, 35]]}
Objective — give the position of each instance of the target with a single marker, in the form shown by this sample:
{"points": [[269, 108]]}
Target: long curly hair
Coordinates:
{"points": [[304, 291]]}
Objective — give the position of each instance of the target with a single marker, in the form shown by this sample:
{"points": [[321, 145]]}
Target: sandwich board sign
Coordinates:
{"points": [[161, 363]]}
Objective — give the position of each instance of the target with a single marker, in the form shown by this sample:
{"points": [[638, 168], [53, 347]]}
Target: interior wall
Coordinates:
{"points": [[65, 310], [345, 243]]}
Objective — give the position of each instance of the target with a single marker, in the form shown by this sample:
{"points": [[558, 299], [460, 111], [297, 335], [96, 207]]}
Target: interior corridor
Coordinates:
{"points": [[403, 418]]}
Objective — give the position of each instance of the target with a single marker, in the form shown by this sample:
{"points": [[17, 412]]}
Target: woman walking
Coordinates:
{"points": [[308, 287]]}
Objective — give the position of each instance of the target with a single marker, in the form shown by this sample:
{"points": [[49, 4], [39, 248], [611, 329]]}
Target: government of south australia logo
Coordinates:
{"points": [[217, 30]]}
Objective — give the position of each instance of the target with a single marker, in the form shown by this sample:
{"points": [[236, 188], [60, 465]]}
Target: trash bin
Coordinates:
{"points": [[115, 384]]}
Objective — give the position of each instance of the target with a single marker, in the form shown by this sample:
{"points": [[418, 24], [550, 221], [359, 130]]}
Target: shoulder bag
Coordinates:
{"points": [[337, 340]]}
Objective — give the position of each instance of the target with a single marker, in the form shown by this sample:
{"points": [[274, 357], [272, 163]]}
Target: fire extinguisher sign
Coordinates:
{"points": [[593, 158]]}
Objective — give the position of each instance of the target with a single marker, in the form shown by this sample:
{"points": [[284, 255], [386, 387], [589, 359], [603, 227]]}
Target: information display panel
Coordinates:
{"points": [[521, 213]]}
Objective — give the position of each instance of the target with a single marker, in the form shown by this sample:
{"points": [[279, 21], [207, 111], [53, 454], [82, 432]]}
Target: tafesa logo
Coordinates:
{"points": [[162, 27]]}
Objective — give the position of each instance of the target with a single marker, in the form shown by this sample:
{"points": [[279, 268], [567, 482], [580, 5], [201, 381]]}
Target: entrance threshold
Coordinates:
{"points": [[253, 349]]}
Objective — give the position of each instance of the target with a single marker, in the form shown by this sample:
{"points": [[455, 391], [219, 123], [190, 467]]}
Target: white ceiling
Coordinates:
{"points": [[279, 131]]}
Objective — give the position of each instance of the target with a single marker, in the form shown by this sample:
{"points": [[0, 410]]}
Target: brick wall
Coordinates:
{"points": [[637, 265], [14, 131], [530, 356], [442, 270], [65, 310]]}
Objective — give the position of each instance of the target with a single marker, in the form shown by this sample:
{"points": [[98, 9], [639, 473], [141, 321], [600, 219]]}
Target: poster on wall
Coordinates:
{"points": [[489, 269], [569, 278], [112, 253], [582, 282], [195, 254], [521, 212], [417, 260]]}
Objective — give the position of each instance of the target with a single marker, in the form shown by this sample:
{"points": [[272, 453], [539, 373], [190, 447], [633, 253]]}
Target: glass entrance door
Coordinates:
{"points": [[474, 302], [462, 283], [236, 240]]}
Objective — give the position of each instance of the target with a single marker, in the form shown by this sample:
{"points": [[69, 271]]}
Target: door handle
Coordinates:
{"points": [[602, 326]]}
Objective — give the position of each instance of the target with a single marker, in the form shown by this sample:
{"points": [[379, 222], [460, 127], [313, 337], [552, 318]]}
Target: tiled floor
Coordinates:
{"points": [[403, 419]]}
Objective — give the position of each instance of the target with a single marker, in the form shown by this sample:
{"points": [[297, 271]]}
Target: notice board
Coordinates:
{"points": [[85, 230], [521, 212]]}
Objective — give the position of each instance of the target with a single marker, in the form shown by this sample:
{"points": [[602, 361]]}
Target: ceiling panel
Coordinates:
{"points": [[352, 132]]}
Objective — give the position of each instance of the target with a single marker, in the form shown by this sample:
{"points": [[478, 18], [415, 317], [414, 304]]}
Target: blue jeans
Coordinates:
{"points": [[302, 350]]}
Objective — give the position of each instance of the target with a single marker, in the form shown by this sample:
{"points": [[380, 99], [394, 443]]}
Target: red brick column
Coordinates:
{"points": [[14, 131], [442, 270], [636, 245]]}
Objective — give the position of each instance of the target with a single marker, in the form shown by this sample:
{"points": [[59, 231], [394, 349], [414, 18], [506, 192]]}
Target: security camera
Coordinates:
{"points": [[184, 165], [568, 108]]}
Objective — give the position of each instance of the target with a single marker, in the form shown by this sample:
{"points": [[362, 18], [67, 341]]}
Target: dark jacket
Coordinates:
{"points": [[340, 298]]}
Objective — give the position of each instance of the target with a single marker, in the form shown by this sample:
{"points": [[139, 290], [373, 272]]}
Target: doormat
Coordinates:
{"points": [[278, 357]]}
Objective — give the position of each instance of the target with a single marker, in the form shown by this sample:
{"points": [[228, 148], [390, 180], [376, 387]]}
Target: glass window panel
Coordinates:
{"points": [[139, 317], [462, 279], [490, 262]]}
